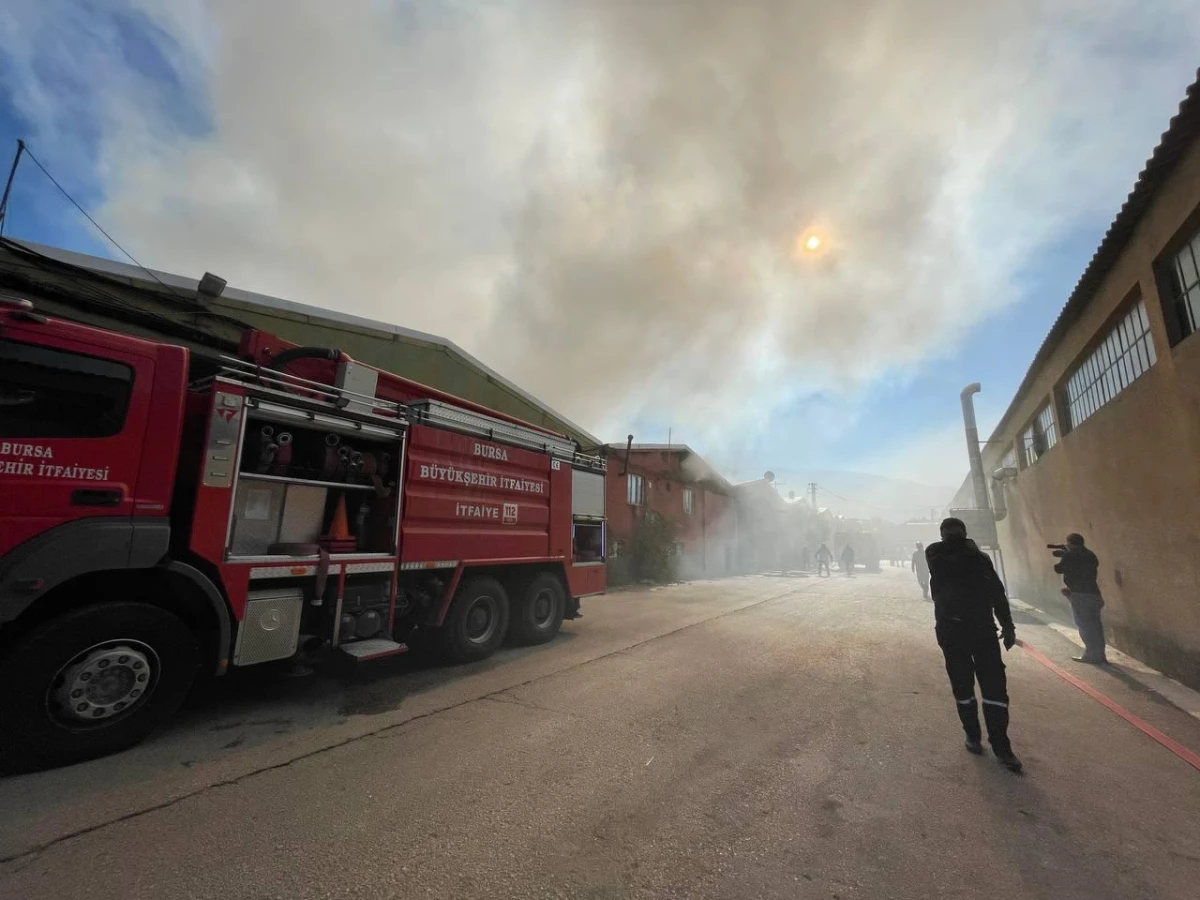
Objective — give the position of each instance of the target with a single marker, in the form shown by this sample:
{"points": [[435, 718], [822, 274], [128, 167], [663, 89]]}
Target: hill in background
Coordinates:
{"points": [[864, 496]]}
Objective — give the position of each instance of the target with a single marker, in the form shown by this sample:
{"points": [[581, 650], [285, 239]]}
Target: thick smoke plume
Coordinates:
{"points": [[604, 198]]}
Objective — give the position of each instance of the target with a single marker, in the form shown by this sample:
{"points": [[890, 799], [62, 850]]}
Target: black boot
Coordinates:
{"points": [[996, 717], [1009, 760], [969, 716]]}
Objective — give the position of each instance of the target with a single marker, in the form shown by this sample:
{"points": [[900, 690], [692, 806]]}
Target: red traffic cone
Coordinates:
{"points": [[339, 528]]}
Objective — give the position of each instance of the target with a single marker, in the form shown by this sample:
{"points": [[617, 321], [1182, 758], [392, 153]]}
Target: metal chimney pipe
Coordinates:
{"points": [[978, 481]]}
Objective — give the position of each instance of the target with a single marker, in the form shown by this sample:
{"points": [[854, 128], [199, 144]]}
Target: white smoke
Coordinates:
{"points": [[602, 198]]}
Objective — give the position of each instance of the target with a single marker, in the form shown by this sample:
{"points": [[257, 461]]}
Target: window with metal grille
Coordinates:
{"points": [[689, 501], [1187, 282], [1045, 423], [1039, 437], [636, 490], [1126, 352], [1029, 446]]}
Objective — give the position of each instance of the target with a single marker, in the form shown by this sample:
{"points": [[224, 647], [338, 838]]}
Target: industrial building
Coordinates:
{"points": [[1103, 435], [209, 317]]}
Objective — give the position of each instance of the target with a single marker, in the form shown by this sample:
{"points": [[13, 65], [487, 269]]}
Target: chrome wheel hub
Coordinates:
{"points": [[103, 681]]}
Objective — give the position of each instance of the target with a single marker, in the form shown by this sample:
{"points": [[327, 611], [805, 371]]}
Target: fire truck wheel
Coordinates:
{"points": [[538, 613], [477, 621], [93, 681]]}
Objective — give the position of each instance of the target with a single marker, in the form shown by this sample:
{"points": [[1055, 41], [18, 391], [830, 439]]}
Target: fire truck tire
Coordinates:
{"points": [[538, 612], [477, 621], [93, 681]]}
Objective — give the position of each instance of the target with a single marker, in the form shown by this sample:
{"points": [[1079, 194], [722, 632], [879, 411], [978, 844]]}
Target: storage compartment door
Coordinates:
{"points": [[270, 512], [271, 627], [587, 494], [257, 510]]}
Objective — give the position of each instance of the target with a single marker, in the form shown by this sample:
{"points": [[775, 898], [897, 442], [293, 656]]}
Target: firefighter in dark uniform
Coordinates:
{"points": [[921, 568], [967, 594]]}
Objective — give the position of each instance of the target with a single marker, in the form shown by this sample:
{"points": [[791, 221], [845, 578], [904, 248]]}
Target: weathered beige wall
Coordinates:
{"points": [[1128, 478]]}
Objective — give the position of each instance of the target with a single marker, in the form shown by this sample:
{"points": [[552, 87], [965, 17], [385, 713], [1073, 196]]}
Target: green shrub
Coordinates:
{"points": [[654, 549]]}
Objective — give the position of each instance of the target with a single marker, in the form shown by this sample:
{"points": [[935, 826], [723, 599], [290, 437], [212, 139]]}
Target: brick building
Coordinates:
{"points": [[674, 482], [1103, 435]]}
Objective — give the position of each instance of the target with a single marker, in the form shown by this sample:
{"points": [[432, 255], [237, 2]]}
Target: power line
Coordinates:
{"points": [[90, 291], [95, 224]]}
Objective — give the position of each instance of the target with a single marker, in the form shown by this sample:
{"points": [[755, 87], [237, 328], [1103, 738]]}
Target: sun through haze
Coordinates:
{"points": [[753, 223]]}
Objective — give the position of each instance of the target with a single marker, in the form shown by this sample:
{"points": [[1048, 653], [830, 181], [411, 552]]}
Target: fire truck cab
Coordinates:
{"points": [[165, 514]]}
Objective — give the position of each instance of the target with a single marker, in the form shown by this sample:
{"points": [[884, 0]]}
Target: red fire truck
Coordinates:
{"points": [[167, 514]]}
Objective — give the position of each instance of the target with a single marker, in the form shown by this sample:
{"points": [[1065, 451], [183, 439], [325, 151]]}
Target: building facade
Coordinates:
{"points": [[674, 483], [1103, 435]]}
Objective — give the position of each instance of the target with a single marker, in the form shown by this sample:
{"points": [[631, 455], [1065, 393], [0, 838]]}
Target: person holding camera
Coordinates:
{"points": [[1078, 566], [968, 600]]}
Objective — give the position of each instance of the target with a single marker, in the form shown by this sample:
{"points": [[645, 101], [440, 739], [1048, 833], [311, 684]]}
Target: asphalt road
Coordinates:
{"points": [[782, 736]]}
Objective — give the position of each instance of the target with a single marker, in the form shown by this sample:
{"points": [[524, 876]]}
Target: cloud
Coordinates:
{"points": [[602, 198], [936, 456]]}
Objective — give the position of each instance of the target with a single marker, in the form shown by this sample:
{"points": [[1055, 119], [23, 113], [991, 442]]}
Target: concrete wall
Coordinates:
{"points": [[1128, 477]]}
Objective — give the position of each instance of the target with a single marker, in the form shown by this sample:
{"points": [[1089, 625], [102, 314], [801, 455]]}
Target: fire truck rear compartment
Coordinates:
{"points": [[293, 478]]}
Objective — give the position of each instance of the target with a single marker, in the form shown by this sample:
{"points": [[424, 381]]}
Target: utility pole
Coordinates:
{"points": [[812, 490], [12, 173]]}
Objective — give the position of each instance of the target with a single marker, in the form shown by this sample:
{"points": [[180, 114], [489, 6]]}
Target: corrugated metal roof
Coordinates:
{"points": [[1182, 131], [167, 282], [666, 448]]}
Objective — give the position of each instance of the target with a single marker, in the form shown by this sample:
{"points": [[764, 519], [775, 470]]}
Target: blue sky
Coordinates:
{"points": [[923, 406], [602, 205]]}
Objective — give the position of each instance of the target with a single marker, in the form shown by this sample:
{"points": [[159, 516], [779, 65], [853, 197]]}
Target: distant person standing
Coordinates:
{"points": [[921, 567], [847, 560], [1078, 566], [968, 600], [824, 558]]}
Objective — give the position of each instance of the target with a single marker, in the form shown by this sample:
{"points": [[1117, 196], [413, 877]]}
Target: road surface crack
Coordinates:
{"points": [[500, 697]]}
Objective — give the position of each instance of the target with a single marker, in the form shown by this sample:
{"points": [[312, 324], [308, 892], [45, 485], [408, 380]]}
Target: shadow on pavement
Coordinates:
{"points": [[1045, 847], [268, 698]]}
